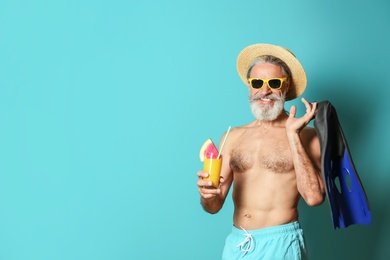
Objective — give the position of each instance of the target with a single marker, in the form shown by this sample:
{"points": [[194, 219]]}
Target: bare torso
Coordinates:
{"points": [[264, 183]]}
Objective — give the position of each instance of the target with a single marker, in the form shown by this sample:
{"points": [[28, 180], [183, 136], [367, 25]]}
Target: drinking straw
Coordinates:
{"points": [[223, 143], [211, 162]]}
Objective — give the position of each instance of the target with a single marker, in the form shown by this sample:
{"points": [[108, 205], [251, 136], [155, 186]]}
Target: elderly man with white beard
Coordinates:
{"points": [[271, 162]]}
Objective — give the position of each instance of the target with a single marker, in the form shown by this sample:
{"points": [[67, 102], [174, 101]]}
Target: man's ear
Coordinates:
{"points": [[248, 86]]}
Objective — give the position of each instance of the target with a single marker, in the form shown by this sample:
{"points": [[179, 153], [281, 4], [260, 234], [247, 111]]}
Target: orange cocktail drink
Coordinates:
{"points": [[212, 160], [213, 167]]}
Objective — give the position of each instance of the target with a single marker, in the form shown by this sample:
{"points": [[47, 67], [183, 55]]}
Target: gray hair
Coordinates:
{"points": [[273, 60]]}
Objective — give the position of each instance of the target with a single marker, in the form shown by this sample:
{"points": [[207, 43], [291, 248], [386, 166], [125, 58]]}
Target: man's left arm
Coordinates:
{"points": [[305, 151]]}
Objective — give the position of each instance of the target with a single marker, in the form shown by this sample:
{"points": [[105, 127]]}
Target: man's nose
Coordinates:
{"points": [[265, 90]]}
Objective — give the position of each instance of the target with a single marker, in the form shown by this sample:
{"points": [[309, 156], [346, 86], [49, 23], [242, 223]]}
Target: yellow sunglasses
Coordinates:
{"points": [[274, 83]]}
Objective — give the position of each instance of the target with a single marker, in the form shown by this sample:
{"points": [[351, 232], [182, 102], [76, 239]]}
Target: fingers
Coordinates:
{"points": [[205, 186], [203, 174], [201, 181], [208, 193], [295, 125], [293, 111], [310, 108]]}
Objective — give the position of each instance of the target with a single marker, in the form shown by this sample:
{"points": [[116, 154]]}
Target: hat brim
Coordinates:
{"points": [[250, 53]]}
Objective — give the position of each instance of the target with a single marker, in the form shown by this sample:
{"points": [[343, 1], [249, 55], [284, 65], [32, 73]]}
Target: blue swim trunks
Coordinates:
{"points": [[283, 242]]}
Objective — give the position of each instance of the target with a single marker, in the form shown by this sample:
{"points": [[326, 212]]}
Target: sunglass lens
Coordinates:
{"points": [[275, 83], [257, 83]]}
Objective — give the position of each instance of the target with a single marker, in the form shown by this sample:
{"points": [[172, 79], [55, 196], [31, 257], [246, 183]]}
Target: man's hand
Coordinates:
{"points": [[205, 188], [295, 125]]}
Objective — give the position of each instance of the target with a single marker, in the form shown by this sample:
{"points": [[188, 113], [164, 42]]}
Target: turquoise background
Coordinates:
{"points": [[104, 106]]}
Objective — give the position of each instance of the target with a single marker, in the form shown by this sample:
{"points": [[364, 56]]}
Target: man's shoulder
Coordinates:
{"points": [[309, 130], [309, 133], [235, 133]]}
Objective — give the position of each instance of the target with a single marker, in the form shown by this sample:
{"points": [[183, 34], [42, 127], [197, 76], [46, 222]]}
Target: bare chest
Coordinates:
{"points": [[262, 154]]}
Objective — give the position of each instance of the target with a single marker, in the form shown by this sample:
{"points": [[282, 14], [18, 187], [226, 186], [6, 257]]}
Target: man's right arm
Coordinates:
{"points": [[213, 199]]}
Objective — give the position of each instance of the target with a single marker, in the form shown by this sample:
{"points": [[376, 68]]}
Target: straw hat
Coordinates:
{"points": [[250, 53]]}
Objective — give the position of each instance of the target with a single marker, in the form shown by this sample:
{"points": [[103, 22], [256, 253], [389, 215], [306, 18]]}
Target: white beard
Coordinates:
{"points": [[267, 112]]}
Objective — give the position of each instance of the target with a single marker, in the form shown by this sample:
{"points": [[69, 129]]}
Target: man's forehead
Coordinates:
{"points": [[266, 68]]}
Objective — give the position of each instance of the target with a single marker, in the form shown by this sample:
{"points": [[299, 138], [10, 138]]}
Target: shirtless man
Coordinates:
{"points": [[272, 162]]}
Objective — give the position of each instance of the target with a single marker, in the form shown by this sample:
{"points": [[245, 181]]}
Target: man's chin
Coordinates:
{"points": [[267, 118], [265, 112]]}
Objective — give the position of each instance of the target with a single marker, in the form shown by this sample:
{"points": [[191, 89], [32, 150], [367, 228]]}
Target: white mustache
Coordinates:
{"points": [[269, 96]]}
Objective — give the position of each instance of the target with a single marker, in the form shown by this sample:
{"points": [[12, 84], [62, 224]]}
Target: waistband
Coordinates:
{"points": [[274, 230]]}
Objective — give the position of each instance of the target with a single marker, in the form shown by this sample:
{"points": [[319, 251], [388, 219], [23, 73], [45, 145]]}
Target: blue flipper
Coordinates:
{"points": [[344, 190]]}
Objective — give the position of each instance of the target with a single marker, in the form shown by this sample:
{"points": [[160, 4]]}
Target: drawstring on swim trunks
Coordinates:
{"points": [[246, 245]]}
